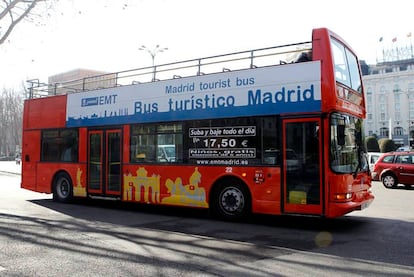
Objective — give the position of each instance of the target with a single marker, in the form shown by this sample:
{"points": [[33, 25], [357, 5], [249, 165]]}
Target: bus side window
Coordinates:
{"points": [[271, 156], [70, 150], [270, 153]]}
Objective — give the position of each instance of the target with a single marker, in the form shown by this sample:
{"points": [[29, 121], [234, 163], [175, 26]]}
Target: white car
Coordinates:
{"points": [[403, 149], [372, 158]]}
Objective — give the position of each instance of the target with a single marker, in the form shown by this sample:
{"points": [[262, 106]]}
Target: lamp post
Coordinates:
{"points": [[153, 53]]}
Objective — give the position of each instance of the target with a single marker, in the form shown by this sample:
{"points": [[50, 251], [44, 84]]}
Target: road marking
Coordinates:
{"points": [[2, 268]]}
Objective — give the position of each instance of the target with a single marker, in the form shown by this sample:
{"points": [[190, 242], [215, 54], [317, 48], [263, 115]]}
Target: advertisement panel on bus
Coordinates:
{"points": [[260, 91]]}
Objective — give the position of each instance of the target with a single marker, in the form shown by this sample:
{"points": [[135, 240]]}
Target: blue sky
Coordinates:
{"points": [[106, 34]]}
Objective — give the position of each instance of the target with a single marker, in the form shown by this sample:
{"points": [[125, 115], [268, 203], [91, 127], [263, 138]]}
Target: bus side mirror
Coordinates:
{"points": [[340, 135]]}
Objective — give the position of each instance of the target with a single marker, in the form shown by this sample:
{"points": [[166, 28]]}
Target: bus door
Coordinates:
{"points": [[302, 165], [104, 162]]}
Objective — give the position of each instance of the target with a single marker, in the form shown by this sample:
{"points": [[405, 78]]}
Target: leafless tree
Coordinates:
{"points": [[11, 111], [12, 12]]}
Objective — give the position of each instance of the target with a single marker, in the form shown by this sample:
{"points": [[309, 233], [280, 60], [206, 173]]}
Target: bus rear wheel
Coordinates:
{"points": [[231, 201], [62, 188]]}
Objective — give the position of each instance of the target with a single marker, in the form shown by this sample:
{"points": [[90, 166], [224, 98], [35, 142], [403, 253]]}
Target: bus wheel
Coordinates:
{"points": [[389, 181], [62, 188], [231, 201]]}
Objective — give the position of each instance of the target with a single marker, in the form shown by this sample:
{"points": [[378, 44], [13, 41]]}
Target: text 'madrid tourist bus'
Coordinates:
{"points": [[256, 131]]}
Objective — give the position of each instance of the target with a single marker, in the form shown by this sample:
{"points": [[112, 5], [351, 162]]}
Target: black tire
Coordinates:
{"points": [[231, 200], [62, 188], [389, 181]]}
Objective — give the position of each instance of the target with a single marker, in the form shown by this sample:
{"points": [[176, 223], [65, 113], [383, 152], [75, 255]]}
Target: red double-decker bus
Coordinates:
{"points": [[275, 130]]}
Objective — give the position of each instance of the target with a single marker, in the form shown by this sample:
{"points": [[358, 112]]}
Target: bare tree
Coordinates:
{"points": [[11, 111], [12, 12]]}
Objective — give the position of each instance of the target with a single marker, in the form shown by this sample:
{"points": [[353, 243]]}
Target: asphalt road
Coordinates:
{"points": [[39, 237]]}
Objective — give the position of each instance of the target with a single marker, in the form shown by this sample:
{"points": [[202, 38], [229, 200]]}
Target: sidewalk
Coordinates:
{"points": [[10, 167]]}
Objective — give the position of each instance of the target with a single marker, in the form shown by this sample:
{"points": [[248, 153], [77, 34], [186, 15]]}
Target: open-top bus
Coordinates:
{"points": [[257, 131]]}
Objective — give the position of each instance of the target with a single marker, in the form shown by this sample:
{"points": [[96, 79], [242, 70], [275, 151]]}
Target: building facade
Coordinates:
{"points": [[80, 80], [389, 89]]}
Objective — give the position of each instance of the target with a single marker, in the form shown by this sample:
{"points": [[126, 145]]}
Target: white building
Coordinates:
{"points": [[389, 88]]}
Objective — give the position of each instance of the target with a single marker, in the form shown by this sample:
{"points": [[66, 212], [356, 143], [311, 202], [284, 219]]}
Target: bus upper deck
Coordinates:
{"points": [[284, 54]]}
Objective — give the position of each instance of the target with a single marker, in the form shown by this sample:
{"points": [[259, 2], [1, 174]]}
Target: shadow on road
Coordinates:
{"points": [[87, 209], [352, 237]]}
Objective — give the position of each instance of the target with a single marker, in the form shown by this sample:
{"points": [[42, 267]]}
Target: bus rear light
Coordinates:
{"points": [[343, 196]]}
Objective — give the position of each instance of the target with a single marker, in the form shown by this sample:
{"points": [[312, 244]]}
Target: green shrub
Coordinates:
{"points": [[371, 144], [386, 145]]}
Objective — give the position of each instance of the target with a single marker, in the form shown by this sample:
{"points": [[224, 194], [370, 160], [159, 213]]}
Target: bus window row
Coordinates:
{"points": [[59, 145], [241, 141], [244, 141]]}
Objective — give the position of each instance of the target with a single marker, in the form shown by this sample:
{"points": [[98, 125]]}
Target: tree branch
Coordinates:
{"points": [[14, 22], [9, 7]]}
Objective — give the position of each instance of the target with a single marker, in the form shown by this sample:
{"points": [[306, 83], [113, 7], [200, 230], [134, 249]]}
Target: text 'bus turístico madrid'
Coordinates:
{"points": [[276, 130]]}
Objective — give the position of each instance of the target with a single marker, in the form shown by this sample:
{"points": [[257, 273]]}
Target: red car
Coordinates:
{"points": [[395, 168]]}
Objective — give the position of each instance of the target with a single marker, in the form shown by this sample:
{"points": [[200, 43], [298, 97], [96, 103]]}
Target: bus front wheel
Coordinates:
{"points": [[231, 200], [62, 188]]}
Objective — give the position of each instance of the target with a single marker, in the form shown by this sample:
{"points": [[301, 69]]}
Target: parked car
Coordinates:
{"points": [[395, 168], [372, 158], [403, 149]]}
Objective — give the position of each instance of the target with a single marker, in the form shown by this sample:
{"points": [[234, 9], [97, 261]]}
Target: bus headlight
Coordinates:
{"points": [[343, 196]]}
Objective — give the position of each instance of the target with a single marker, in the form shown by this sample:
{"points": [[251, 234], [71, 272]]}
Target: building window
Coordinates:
{"points": [[369, 96], [411, 110], [369, 99], [397, 109], [384, 132], [397, 116], [398, 131], [411, 101], [370, 127], [383, 112], [397, 98]]}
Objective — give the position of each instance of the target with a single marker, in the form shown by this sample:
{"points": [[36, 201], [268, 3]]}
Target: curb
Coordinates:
{"points": [[8, 172]]}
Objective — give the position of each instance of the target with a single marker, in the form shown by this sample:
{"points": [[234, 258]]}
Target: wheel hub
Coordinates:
{"points": [[232, 200], [63, 188]]}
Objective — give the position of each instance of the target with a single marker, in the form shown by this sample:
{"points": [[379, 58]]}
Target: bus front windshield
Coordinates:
{"points": [[346, 66], [345, 140]]}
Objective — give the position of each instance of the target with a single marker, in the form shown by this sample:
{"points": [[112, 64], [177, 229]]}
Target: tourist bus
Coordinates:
{"points": [[275, 130]]}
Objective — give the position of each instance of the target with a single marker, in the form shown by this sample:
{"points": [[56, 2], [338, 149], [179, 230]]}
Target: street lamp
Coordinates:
{"points": [[153, 53]]}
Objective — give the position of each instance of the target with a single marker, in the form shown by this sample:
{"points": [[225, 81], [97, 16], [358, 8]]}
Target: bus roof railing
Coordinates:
{"points": [[213, 64]]}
